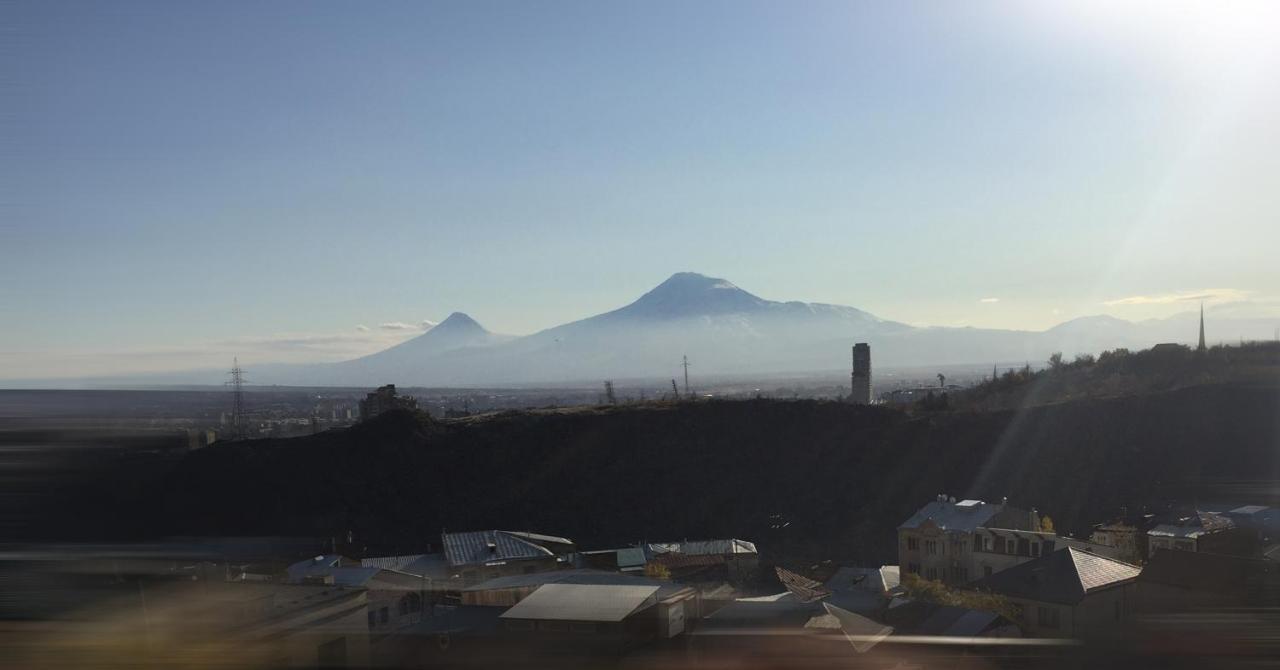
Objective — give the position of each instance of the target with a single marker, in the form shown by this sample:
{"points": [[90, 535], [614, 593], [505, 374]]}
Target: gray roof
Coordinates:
{"points": [[1202, 523], [703, 547], [964, 516], [327, 564], [489, 546], [539, 537], [1065, 576], [423, 565], [1248, 509], [583, 602], [584, 576]]}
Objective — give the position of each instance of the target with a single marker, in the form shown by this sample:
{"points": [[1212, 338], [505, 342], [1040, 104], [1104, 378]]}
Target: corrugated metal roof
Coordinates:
{"points": [[805, 589], [422, 565], [703, 547], [539, 537], [583, 602], [487, 546]]}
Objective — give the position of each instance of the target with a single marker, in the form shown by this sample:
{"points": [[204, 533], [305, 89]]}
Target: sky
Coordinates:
{"points": [[292, 181]]}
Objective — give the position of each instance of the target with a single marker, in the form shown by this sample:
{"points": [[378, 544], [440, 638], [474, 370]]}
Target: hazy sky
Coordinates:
{"points": [[188, 180]]}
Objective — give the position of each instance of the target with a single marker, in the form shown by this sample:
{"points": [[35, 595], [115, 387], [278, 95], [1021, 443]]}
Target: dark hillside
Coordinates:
{"points": [[844, 476]]}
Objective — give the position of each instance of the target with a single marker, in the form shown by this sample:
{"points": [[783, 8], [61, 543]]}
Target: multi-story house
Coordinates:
{"points": [[937, 542]]}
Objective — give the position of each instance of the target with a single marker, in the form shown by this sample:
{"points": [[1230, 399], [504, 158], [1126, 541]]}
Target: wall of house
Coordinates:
{"points": [[474, 574], [1105, 615], [1042, 619], [935, 554]]}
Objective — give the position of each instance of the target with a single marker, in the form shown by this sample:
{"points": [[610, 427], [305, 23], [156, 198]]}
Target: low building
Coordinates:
{"points": [[1067, 594], [1201, 531], [385, 399], [479, 555], [1128, 541], [731, 560], [1265, 521], [937, 542], [611, 615], [395, 599], [507, 591], [629, 559]]}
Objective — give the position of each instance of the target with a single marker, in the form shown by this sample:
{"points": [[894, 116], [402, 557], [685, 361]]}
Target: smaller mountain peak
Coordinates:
{"points": [[694, 280], [459, 321]]}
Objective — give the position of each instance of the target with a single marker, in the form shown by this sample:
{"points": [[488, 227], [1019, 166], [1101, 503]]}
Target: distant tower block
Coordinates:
{"points": [[861, 380]]}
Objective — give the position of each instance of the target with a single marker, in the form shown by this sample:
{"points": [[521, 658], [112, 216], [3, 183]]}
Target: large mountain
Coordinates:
{"points": [[723, 329]]}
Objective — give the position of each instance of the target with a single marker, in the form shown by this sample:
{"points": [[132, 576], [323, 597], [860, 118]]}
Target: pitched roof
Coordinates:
{"points": [[965, 515], [1065, 576], [583, 576], [1197, 525], [807, 590], [487, 546], [702, 547], [422, 565], [583, 602]]}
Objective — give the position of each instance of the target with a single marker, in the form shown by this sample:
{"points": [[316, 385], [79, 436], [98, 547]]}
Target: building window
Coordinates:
{"points": [[931, 547], [410, 603], [384, 615], [913, 544], [1047, 617], [373, 619], [931, 573], [1024, 547], [913, 568], [1035, 549]]}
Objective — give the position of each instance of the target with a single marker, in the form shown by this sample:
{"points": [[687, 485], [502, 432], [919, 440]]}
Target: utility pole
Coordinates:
{"points": [[675, 391], [608, 392], [686, 377], [237, 399]]}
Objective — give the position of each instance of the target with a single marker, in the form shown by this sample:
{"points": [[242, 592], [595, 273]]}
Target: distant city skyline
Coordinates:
{"points": [[314, 181]]}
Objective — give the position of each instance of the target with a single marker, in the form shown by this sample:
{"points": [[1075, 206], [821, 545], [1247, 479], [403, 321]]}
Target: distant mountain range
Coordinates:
{"points": [[725, 331]]}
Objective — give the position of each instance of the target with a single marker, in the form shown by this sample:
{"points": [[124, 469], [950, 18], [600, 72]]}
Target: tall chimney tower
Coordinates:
{"points": [[1201, 346], [861, 378]]}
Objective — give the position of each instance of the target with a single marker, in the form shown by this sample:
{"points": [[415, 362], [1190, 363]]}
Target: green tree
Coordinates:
{"points": [[936, 592], [1046, 524]]}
